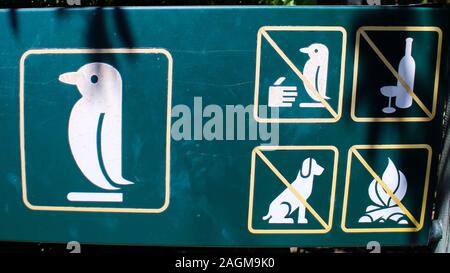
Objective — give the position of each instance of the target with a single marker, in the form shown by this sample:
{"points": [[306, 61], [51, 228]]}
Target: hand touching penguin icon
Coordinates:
{"points": [[316, 72], [100, 86]]}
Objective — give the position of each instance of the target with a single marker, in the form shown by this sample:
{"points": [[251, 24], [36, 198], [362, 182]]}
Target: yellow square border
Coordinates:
{"points": [[258, 68], [347, 187], [168, 121], [252, 186], [436, 74]]}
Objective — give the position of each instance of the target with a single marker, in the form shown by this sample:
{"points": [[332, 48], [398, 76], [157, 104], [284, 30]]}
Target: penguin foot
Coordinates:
{"points": [[122, 181]]}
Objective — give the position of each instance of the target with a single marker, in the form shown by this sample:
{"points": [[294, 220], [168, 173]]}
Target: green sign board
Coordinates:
{"points": [[240, 126]]}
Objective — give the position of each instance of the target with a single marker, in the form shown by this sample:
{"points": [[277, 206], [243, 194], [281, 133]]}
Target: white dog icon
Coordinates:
{"points": [[286, 202]]}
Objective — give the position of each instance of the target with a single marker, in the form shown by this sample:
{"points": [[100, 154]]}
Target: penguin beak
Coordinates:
{"points": [[304, 50], [70, 77]]}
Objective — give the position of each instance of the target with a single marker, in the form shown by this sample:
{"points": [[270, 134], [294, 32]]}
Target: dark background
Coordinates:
{"points": [[65, 3]]}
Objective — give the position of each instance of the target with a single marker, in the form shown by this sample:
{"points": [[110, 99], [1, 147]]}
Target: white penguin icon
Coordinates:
{"points": [[316, 71], [100, 85]]}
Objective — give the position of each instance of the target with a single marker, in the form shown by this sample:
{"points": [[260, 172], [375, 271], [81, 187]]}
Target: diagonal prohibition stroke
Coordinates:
{"points": [[396, 75], [385, 187], [299, 74], [291, 188]]}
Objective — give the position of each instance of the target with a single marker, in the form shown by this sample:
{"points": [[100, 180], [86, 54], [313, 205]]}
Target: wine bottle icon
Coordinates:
{"points": [[406, 71]]}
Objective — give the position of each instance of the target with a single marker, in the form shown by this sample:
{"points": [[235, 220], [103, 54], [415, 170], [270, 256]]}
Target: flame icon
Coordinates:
{"points": [[384, 207]]}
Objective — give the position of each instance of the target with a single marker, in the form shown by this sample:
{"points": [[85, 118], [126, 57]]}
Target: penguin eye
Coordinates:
{"points": [[94, 79]]}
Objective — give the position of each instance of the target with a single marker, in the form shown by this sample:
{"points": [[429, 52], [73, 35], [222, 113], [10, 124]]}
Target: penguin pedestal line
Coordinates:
{"points": [[95, 197], [312, 105]]}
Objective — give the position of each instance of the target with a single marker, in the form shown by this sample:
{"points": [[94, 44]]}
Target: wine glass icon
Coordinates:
{"points": [[389, 91], [406, 71]]}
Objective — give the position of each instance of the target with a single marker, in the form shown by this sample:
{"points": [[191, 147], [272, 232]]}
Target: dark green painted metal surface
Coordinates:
{"points": [[216, 192]]}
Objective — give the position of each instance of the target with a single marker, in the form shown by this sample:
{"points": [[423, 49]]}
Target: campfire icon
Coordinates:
{"points": [[384, 207]]}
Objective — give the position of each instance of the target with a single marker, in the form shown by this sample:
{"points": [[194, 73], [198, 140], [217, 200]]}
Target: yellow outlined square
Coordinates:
{"points": [[354, 151], [429, 114], [257, 151], [262, 32], [162, 51]]}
